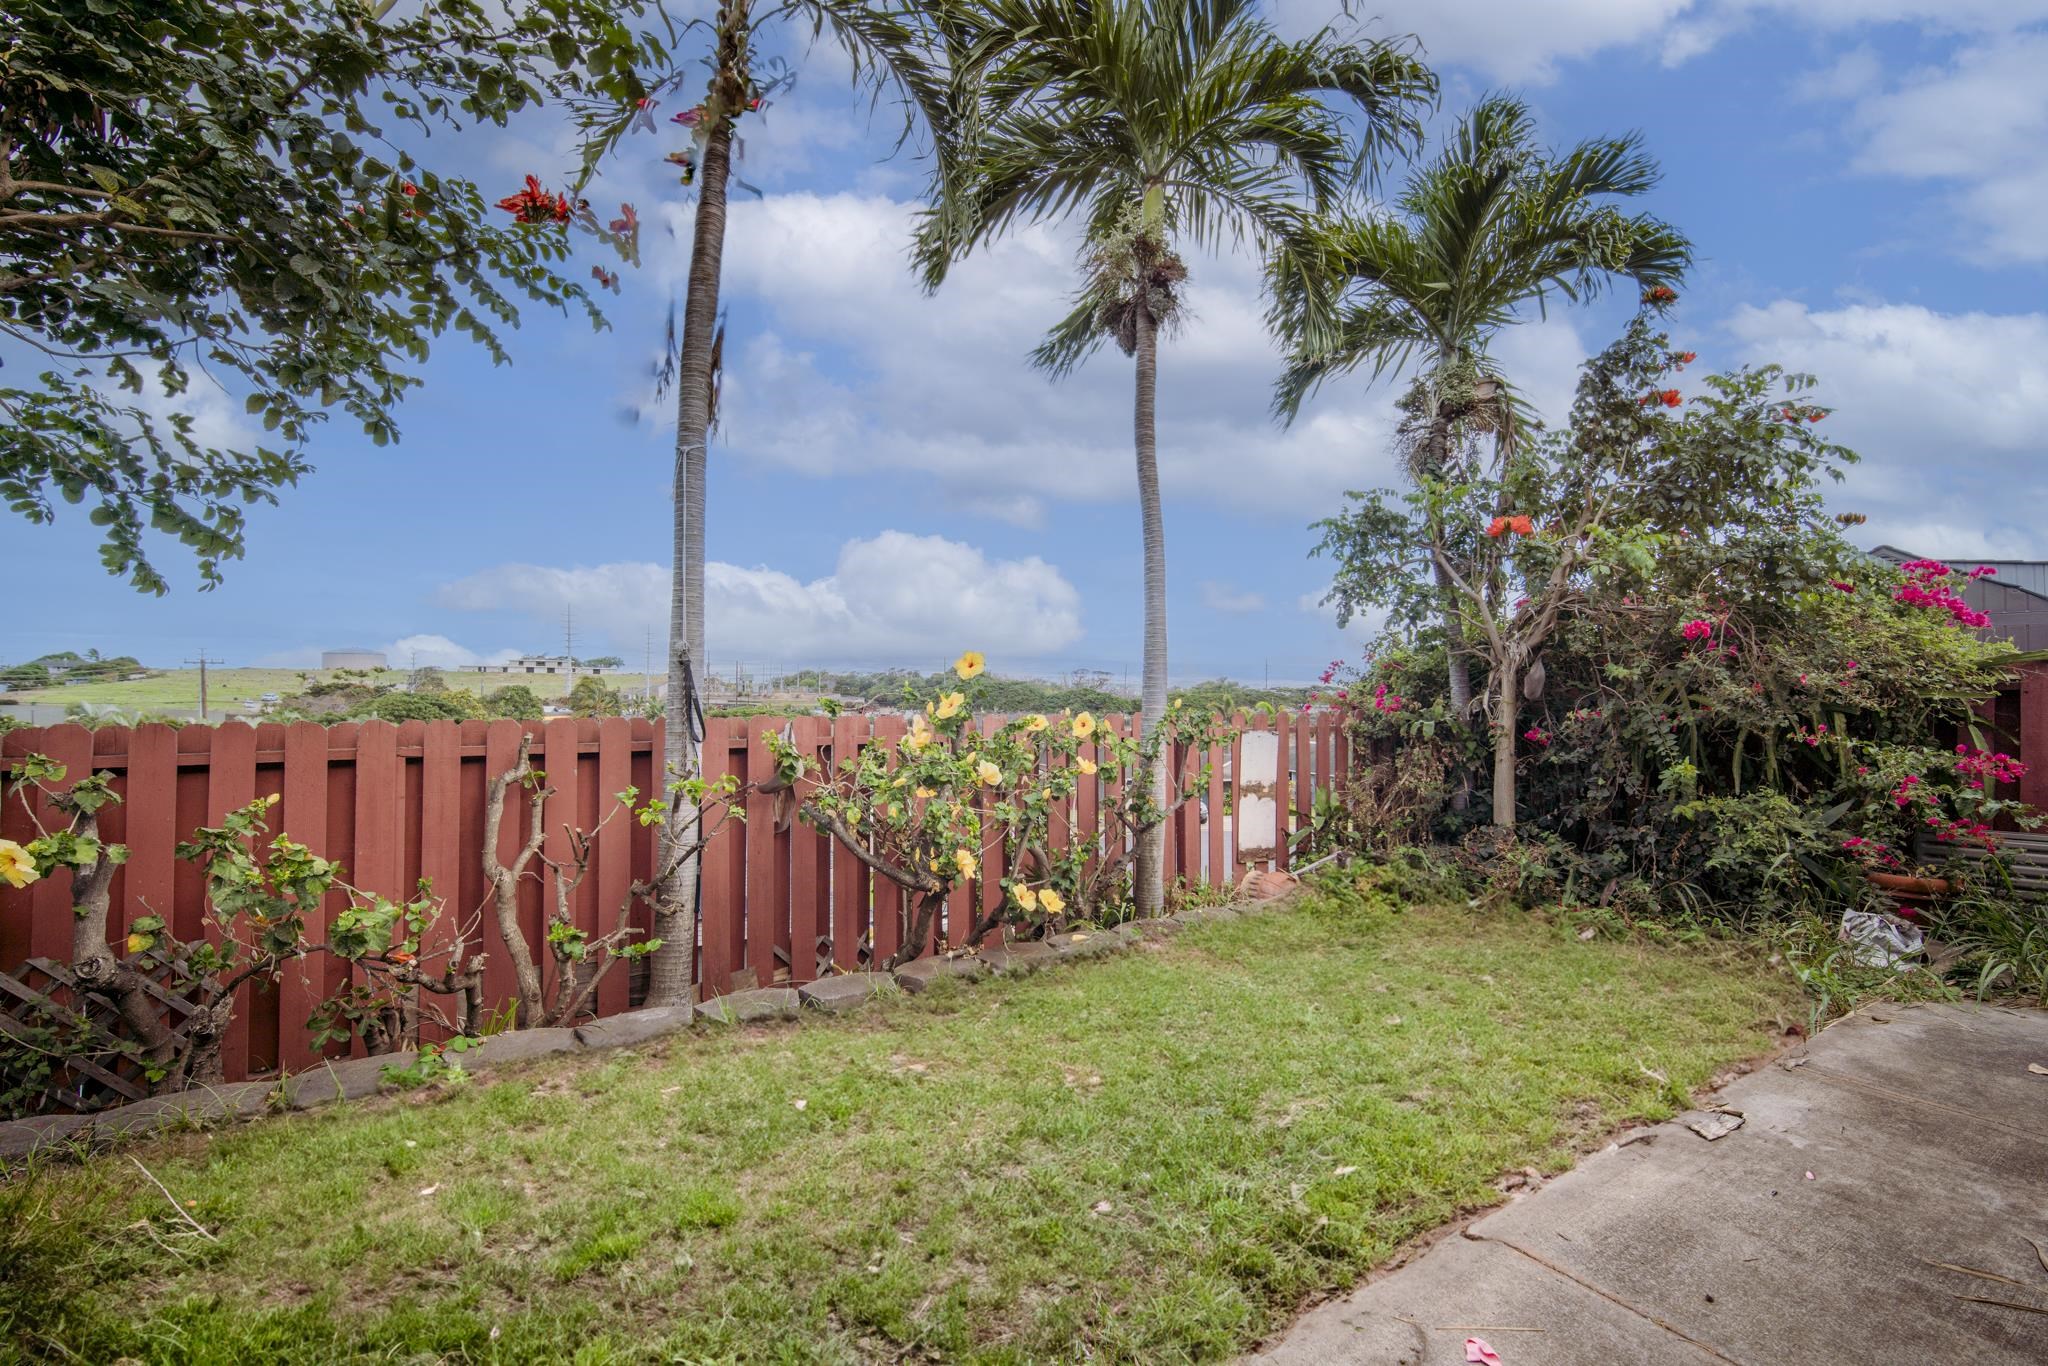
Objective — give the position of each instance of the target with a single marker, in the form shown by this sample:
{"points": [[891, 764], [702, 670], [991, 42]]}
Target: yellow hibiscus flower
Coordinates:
{"points": [[1084, 726], [950, 705], [1026, 898], [964, 860], [1051, 902], [1035, 724], [16, 866], [926, 793], [1087, 766], [920, 736], [990, 775], [969, 665]]}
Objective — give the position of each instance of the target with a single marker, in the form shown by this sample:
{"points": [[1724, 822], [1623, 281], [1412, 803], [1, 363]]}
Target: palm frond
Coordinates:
{"points": [[1488, 228]]}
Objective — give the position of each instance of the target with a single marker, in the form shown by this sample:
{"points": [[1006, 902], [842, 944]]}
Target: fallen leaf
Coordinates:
{"points": [[1076, 938], [1588, 932], [1393, 1020], [1102, 1207], [431, 1189], [1477, 1350], [799, 1104], [412, 1143], [1809, 1176], [1344, 1171], [2037, 1069]]}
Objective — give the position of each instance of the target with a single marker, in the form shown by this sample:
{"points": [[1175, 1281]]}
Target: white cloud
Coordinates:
{"points": [[1236, 602], [1513, 41], [890, 598], [1979, 122], [1943, 408], [857, 372], [1508, 40], [427, 651]]}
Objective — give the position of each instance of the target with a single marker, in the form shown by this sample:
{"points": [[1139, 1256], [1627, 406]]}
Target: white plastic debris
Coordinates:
{"points": [[1877, 940]]}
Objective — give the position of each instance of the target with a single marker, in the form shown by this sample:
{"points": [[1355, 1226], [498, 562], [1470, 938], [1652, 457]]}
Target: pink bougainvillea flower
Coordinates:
{"points": [[1699, 628], [1841, 587]]}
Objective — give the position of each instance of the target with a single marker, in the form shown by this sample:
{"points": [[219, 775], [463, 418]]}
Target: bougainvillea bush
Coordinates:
{"points": [[1723, 707]]}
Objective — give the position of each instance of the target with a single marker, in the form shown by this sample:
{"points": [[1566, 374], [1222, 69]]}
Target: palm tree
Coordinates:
{"points": [[1159, 122], [1494, 224], [892, 44]]}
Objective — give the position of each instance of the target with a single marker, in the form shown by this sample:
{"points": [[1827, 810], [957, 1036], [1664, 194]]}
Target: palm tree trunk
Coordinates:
{"points": [[1437, 457], [1150, 866], [1504, 721], [671, 976]]}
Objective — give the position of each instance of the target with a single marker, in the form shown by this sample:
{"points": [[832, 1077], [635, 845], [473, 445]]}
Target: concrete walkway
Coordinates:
{"points": [[1900, 1137]]}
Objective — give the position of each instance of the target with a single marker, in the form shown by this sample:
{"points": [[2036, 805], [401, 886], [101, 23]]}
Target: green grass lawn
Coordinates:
{"points": [[1151, 1158]]}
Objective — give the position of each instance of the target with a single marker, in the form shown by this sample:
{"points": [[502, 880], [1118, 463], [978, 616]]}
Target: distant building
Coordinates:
{"points": [[560, 666], [352, 659], [2016, 596]]}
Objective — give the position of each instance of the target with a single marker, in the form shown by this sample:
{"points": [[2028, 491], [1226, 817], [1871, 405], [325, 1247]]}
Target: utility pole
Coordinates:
{"points": [[569, 636], [202, 662]]}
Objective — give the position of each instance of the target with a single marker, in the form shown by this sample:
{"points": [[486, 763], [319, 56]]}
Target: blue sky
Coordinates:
{"points": [[1865, 180]]}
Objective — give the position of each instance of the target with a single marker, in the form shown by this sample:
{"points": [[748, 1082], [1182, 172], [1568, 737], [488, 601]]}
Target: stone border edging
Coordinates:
{"points": [[359, 1078]]}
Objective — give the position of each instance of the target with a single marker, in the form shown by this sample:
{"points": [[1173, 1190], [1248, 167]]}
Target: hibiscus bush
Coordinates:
{"points": [[1706, 699], [926, 811]]}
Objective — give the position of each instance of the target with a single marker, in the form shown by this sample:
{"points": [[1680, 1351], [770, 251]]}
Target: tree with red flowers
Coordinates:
{"points": [[1496, 223], [244, 194], [1602, 499]]}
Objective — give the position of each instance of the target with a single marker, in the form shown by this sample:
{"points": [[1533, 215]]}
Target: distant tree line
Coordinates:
{"points": [[63, 666]]}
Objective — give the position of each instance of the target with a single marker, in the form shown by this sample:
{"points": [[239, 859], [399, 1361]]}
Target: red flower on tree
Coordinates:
{"points": [[535, 205], [1519, 525], [1659, 294]]}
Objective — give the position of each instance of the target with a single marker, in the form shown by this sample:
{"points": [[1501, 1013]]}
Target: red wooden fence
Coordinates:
{"points": [[397, 803]]}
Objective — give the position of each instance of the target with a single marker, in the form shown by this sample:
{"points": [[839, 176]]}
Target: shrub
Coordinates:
{"points": [[513, 702]]}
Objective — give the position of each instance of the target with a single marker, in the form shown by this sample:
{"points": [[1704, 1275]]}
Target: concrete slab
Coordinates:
{"points": [[1465, 1289], [847, 991], [746, 1007], [635, 1026], [1025, 955], [919, 973], [1925, 1144]]}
